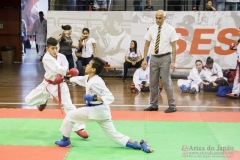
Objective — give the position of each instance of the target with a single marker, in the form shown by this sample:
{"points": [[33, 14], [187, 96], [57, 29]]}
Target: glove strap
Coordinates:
{"points": [[94, 97]]}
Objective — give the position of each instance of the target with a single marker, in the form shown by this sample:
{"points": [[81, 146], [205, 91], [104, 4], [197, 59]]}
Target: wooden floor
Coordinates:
{"points": [[17, 80]]}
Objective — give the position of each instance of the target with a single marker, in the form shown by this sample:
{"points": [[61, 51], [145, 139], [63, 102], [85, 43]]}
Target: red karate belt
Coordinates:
{"points": [[58, 101], [238, 65]]}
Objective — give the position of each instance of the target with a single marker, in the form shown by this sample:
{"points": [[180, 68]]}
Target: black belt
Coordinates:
{"points": [[92, 105], [161, 55]]}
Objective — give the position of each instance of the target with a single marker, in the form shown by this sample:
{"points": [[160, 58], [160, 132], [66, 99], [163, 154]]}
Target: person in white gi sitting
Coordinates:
{"points": [[196, 78]]}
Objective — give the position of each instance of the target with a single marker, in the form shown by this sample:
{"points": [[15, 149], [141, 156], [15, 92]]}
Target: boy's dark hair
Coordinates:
{"points": [[51, 42], [41, 12], [209, 60], [66, 27], [98, 64]]}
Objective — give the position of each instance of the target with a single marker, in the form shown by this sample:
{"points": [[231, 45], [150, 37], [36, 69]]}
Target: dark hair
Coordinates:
{"points": [[98, 64], [135, 46], [209, 60], [85, 29], [66, 27], [198, 61], [41, 12], [51, 42]]}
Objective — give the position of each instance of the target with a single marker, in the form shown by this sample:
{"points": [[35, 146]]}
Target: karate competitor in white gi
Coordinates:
{"points": [[236, 84], [40, 30], [56, 66], [141, 79], [196, 77], [213, 70], [98, 98]]}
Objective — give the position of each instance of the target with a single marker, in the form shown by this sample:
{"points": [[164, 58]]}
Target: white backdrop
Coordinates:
{"points": [[201, 34]]}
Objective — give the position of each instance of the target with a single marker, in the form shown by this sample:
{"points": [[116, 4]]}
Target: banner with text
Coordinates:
{"points": [[201, 34]]}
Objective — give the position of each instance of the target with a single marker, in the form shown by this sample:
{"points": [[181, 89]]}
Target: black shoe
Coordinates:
{"points": [[151, 109], [170, 110]]}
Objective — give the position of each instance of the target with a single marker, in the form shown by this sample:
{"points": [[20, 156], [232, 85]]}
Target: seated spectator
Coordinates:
{"points": [[148, 6], [209, 6], [133, 58], [195, 5], [219, 4], [100, 5], [141, 79], [213, 70], [196, 78]]}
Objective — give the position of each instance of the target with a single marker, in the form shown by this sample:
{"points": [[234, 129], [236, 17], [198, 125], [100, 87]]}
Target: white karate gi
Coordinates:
{"points": [[141, 75], [194, 79], [40, 94], [236, 85], [215, 72], [100, 113], [40, 29]]}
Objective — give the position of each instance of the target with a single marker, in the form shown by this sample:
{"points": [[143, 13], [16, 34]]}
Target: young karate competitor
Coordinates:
{"points": [[196, 77], [141, 79], [213, 70], [236, 84], [56, 67], [98, 98]]}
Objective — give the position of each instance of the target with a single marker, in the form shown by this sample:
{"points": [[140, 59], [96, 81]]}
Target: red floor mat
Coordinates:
{"points": [[32, 153], [232, 155], [131, 115]]}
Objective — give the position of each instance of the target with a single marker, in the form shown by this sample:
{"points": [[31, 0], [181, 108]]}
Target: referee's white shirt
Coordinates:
{"points": [[168, 35]]}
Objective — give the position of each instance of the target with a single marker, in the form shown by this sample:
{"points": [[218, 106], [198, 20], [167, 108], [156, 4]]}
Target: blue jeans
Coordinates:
{"points": [[82, 5], [70, 61], [71, 5], [137, 5], [220, 6], [80, 68], [85, 61]]}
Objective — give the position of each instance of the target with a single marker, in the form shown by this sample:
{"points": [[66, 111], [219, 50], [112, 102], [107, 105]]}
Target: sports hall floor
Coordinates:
{"points": [[206, 127]]}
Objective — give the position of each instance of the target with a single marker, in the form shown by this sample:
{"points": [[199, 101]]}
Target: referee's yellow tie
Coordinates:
{"points": [[158, 40]]}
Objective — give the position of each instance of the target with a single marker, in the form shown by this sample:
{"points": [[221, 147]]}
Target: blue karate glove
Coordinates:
{"points": [[89, 97]]}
